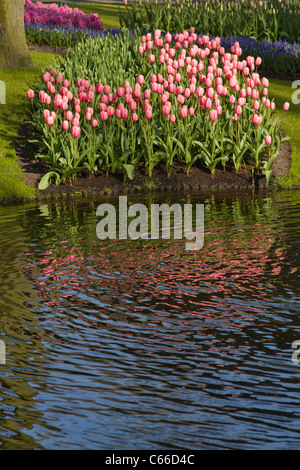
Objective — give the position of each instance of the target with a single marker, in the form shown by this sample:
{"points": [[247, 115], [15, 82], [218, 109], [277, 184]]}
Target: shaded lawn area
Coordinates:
{"points": [[12, 116]]}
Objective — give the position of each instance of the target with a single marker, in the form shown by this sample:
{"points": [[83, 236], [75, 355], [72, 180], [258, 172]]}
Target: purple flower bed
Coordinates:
{"points": [[63, 15]]}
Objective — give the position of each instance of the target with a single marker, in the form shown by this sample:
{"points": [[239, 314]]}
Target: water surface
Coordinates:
{"points": [[140, 344]]}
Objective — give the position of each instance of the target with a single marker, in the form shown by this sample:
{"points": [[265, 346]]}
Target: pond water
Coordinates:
{"points": [[140, 344]]}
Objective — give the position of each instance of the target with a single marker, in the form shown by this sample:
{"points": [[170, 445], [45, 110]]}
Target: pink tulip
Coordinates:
{"points": [[256, 105], [268, 140], [286, 106], [66, 83], [99, 88], [172, 118], [94, 123], [50, 121], [183, 112], [207, 103], [46, 113], [238, 110], [104, 115], [69, 115], [110, 110], [52, 71], [65, 125], [168, 37], [213, 115], [75, 131], [46, 77], [151, 58], [191, 111], [256, 119], [120, 92], [30, 94], [265, 82], [148, 114], [134, 117], [75, 122], [124, 113]]}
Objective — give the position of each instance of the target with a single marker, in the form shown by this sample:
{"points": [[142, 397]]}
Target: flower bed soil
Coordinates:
{"points": [[198, 179]]}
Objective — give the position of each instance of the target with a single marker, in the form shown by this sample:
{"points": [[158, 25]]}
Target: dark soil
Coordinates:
{"points": [[198, 178], [49, 49]]}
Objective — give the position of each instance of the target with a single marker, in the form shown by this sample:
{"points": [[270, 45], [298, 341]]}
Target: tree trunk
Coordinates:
{"points": [[14, 52]]}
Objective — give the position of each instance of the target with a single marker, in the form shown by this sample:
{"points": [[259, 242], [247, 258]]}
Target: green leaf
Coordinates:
{"points": [[129, 170], [46, 179]]}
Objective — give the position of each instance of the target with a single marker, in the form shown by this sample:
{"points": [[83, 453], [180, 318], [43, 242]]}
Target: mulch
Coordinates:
{"points": [[199, 179]]}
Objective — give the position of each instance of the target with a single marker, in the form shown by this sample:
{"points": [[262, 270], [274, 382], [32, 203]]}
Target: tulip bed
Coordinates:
{"points": [[121, 102], [258, 19]]}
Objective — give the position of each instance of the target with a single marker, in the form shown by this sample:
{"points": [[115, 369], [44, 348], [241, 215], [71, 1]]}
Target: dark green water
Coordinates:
{"points": [[143, 345]]}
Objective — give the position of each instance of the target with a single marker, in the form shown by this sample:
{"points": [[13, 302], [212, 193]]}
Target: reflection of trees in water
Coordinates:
{"points": [[20, 329]]}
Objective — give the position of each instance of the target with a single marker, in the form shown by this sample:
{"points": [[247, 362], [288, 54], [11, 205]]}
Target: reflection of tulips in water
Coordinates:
{"points": [[191, 103]]}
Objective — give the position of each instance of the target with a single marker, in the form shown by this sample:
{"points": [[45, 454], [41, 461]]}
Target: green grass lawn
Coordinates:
{"points": [[282, 91], [12, 115]]}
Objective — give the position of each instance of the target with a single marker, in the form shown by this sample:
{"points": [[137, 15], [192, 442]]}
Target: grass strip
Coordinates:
{"points": [[12, 116]]}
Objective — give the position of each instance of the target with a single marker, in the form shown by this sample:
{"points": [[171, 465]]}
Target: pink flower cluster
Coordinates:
{"points": [[63, 15], [229, 87]]}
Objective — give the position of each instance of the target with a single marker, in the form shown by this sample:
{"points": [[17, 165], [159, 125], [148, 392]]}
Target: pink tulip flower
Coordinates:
{"points": [[256, 119], [50, 121], [286, 106], [75, 132], [46, 113], [69, 115], [65, 125], [148, 113], [30, 94], [268, 140], [213, 115]]}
